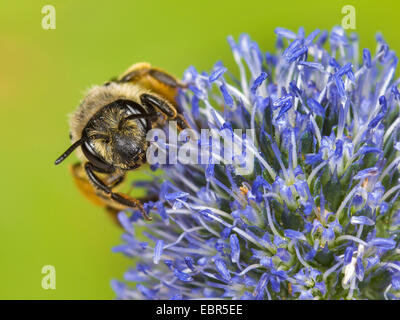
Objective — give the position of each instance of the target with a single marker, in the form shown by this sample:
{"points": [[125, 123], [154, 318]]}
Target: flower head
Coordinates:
{"points": [[318, 215]]}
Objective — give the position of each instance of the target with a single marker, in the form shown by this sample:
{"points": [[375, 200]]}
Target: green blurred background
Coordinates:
{"points": [[43, 74]]}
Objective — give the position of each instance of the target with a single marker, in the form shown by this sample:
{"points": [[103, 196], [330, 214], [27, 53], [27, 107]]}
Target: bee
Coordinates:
{"points": [[108, 131]]}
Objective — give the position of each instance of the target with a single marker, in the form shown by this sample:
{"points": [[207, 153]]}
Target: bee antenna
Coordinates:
{"points": [[68, 152]]}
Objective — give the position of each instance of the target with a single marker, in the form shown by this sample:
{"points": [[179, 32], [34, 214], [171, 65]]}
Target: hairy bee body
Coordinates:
{"points": [[95, 100], [109, 130]]}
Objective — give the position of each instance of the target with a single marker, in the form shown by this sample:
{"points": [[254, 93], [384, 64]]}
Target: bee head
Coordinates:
{"points": [[114, 137]]}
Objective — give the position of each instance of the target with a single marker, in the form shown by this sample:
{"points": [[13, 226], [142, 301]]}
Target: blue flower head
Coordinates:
{"points": [[317, 217]]}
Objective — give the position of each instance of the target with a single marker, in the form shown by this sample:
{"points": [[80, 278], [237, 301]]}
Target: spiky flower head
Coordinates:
{"points": [[318, 217]]}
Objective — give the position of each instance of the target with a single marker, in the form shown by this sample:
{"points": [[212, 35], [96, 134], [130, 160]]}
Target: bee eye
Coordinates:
{"points": [[93, 157]]}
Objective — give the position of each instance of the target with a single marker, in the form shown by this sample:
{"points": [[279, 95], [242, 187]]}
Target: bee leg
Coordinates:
{"points": [[135, 72], [116, 196], [165, 78], [182, 124], [143, 70], [154, 102], [114, 181], [84, 186], [157, 80], [130, 202]]}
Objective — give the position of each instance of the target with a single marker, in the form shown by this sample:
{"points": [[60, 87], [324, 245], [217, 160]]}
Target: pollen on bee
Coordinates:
{"points": [[318, 213], [244, 190], [290, 288], [365, 183]]}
